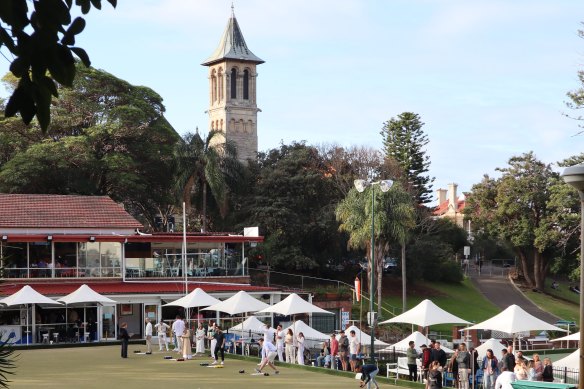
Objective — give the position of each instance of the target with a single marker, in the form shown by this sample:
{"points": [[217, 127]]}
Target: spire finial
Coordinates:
{"points": [[197, 129], [232, 10]]}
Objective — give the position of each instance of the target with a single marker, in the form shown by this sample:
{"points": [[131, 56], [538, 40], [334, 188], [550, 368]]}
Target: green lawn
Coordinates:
{"points": [[102, 367], [561, 308]]}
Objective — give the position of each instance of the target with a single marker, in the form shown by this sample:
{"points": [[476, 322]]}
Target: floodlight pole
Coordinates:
{"points": [[574, 176], [384, 185]]}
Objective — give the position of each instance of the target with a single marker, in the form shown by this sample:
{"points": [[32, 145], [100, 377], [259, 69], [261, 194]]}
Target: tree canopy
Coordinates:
{"points": [[107, 137], [42, 41], [404, 143]]}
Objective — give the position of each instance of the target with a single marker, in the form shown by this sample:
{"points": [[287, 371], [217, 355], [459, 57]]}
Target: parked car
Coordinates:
{"points": [[389, 265]]}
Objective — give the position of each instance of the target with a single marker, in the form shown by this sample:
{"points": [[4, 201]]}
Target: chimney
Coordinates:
{"points": [[452, 198], [441, 193]]}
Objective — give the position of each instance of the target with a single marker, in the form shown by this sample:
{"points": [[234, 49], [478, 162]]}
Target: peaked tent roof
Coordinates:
{"points": [[232, 46], [574, 336], [512, 320], [308, 332], [238, 303], [27, 295], [252, 324], [197, 298], [425, 314], [293, 305], [362, 336], [493, 344], [84, 294], [572, 361], [419, 339]]}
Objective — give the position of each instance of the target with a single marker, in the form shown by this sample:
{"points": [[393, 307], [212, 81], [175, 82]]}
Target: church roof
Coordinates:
{"points": [[232, 46]]}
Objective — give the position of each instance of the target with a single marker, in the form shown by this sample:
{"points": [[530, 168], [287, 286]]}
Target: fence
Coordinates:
{"points": [[566, 375]]}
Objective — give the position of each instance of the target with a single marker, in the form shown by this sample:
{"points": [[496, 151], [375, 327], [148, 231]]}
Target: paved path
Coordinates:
{"points": [[494, 284]]}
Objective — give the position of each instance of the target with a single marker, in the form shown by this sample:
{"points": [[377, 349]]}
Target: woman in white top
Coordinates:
{"points": [[289, 341], [200, 339], [300, 341]]}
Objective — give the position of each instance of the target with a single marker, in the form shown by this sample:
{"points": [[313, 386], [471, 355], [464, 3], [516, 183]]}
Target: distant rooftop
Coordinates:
{"points": [[232, 46], [63, 211]]}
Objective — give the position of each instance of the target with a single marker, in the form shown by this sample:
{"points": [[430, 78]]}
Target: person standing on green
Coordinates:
{"points": [[125, 337], [412, 355]]}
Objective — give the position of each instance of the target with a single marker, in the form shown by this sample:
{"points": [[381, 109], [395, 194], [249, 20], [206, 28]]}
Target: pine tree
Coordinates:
{"points": [[404, 144]]}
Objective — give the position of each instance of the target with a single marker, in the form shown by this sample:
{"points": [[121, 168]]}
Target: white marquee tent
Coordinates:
{"points": [[575, 336], [571, 361], [83, 295], [252, 324], [238, 303], [308, 332], [493, 344], [512, 320], [197, 298], [364, 339], [419, 339], [294, 305], [425, 314]]}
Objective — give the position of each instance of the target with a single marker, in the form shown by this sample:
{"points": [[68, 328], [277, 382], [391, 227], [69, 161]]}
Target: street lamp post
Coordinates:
{"points": [[384, 185], [574, 176]]}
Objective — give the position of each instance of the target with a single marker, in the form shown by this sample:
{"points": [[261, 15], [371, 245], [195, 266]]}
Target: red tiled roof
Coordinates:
{"points": [[60, 288], [442, 208], [61, 211]]}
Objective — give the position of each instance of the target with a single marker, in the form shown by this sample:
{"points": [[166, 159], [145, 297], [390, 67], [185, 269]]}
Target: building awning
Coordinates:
{"points": [[146, 238]]}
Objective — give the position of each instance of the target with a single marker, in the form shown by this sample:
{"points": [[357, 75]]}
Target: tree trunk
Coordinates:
{"points": [[539, 270], [525, 268], [187, 193]]}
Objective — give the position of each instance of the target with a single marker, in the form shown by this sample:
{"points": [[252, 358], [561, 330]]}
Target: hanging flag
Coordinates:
{"points": [[357, 288]]}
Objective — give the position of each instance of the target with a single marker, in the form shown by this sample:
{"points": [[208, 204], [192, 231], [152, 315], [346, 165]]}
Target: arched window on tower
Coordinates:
{"points": [[213, 86], [234, 83], [246, 84], [220, 79]]}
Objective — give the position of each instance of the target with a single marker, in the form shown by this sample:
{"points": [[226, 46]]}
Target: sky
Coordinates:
{"points": [[488, 78]]}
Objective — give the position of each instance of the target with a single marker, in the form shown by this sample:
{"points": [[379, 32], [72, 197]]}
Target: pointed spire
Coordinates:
{"points": [[232, 45]]}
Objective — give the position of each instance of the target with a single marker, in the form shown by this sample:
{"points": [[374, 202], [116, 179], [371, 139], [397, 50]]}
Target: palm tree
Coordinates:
{"points": [[394, 217], [210, 163]]}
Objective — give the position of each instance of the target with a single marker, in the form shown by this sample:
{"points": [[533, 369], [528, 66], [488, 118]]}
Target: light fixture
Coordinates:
{"points": [[4, 238], [384, 185], [92, 238], [50, 238]]}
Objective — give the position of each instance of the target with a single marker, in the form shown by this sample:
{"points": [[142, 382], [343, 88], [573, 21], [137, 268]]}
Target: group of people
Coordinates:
{"points": [[497, 374]]}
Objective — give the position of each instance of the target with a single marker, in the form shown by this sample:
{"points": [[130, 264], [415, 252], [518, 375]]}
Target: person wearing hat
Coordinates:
{"points": [[268, 353]]}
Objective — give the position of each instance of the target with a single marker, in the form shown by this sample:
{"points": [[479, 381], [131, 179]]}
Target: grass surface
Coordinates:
{"points": [[102, 367], [561, 308]]}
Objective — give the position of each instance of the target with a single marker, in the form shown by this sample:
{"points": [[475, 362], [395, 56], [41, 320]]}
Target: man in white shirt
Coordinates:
{"points": [[178, 328], [148, 334], [280, 335], [354, 347], [504, 380], [268, 353], [161, 329], [268, 332]]}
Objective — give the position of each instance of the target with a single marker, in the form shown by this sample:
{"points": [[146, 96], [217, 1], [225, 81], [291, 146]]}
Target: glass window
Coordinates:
{"points": [[111, 258], [65, 259], [15, 259], [233, 83], [89, 259], [246, 84]]}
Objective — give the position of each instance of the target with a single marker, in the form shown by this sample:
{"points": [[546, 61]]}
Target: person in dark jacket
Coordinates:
{"points": [[368, 373], [125, 337], [426, 360], [440, 355], [548, 371]]}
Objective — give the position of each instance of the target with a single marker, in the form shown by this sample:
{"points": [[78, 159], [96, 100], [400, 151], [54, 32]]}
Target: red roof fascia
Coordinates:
{"points": [[119, 287], [133, 238]]}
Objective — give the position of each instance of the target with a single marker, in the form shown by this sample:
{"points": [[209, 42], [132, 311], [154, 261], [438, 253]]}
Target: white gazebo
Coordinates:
{"points": [[308, 332], [196, 299], [364, 339], [28, 296], [419, 339], [493, 344], [426, 314]]}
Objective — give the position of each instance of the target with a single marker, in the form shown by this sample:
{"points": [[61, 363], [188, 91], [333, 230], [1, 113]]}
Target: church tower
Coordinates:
{"points": [[233, 108]]}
